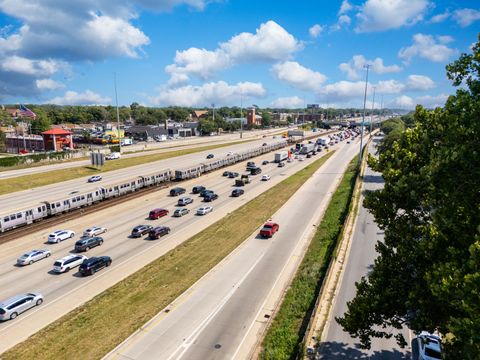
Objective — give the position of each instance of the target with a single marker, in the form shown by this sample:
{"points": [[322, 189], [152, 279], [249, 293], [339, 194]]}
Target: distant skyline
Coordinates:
{"points": [[227, 52]]}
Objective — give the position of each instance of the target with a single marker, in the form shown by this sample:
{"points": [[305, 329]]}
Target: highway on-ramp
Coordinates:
{"points": [[222, 315]]}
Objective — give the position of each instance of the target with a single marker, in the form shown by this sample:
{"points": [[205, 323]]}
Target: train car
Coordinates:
{"points": [[157, 178], [27, 216], [189, 173], [121, 188], [213, 165], [73, 201]]}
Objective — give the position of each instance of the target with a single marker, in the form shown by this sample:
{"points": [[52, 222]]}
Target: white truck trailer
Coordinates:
{"points": [[307, 149], [281, 156]]}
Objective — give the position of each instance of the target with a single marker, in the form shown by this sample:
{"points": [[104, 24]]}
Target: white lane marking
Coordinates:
{"points": [[191, 339]]}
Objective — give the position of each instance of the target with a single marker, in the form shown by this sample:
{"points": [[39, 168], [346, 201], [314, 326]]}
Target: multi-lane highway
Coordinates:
{"points": [[22, 199], [221, 316], [66, 291], [337, 344], [180, 144]]}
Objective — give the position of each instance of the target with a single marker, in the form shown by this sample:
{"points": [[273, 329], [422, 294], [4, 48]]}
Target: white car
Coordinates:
{"points": [[265, 177], [290, 160], [32, 256], [68, 262], [60, 235], [94, 178], [94, 231], [301, 158], [113, 156], [204, 210], [427, 347]]}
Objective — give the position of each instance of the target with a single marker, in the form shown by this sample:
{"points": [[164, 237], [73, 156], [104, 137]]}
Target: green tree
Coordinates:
{"points": [[2, 142], [427, 275], [266, 119]]}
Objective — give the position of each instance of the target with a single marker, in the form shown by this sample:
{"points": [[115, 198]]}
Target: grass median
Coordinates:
{"points": [[95, 328], [52, 177], [283, 339]]}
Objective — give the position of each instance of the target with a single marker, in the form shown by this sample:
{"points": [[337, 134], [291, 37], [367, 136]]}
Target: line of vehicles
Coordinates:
{"points": [[75, 200]]}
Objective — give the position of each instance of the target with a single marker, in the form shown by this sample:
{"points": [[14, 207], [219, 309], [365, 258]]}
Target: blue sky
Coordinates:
{"points": [[228, 52]]}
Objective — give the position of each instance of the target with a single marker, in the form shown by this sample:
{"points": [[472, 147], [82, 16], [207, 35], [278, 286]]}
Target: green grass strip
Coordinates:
{"points": [[283, 339], [95, 328], [52, 177]]}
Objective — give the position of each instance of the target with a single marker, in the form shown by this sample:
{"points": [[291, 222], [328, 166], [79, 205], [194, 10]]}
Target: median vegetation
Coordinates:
{"points": [[52, 177], [284, 337], [95, 328]]}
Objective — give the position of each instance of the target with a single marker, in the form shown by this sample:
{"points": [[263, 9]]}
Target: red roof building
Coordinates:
{"points": [[56, 139]]}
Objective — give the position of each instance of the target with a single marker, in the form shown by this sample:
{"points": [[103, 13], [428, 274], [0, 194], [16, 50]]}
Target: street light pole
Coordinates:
{"points": [[367, 66], [241, 116], [373, 106], [118, 113]]}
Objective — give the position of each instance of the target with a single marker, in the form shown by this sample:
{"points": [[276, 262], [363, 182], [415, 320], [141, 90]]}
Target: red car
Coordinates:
{"points": [[157, 213], [269, 229]]}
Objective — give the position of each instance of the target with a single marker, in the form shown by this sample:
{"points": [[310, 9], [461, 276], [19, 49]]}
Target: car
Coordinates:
{"points": [[92, 265], [348, 142], [60, 235], [265, 177], [210, 197], [264, 144], [14, 306], [159, 231], [289, 160], [94, 230], [226, 173], [94, 178], [180, 212], [177, 191], [265, 162], [157, 213], [32, 256], [86, 243], [205, 192], [113, 156], [198, 189], [301, 158], [204, 210], [210, 156], [255, 171], [269, 229], [140, 230], [68, 262], [426, 346], [309, 156], [251, 164], [233, 175], [281, 164], [230, 153], [184, 201], [237, 192]]}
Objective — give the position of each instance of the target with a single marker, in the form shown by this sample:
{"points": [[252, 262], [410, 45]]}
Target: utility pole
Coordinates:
{"points": [[373, 106], [118, 113], [367, 66]]}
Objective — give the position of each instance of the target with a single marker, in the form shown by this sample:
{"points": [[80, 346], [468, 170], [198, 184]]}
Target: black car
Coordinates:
{"points": [[92, 265], [237, 192], [233, 175], [205, 192], [255, 171], [265, 162], [210, 156], [159, 231], [226, 173], [210, 197], [177, 191], [140, 230], [86, 243], [198, 189], [281, 164]]}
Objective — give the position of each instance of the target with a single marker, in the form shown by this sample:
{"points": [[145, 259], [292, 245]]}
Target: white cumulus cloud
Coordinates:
{"points": [[292, 102], [48, 84], [465, 17], [219, 93], [345, 7], [86, 98], [298, 76], [427, 47], [420, 83], [316, 30], [270, 43], [381, 15], [357, 63]]}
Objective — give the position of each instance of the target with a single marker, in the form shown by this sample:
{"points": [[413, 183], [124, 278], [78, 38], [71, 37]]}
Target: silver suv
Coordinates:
{"points": [[11, 308]]}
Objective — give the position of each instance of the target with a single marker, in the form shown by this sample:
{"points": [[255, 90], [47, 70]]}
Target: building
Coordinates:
{"points": [[252, 118], [57, 139], [19, 144], [199, 114]]}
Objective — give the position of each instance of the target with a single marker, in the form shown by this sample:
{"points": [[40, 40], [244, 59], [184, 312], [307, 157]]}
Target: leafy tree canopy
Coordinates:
{"points": [[427, 275]]}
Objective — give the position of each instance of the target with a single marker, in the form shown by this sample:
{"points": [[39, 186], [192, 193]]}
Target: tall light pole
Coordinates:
{"points": [[118, 113], [241, 115], [373, 106], [213, 109], [367, 66]]}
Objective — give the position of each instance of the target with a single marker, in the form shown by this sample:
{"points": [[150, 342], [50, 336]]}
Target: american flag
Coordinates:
{"points": [[26, 112]]}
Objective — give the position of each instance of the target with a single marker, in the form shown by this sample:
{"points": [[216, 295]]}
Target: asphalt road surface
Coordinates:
{"points": [[337, 344], [66, 291], [222, 315]]}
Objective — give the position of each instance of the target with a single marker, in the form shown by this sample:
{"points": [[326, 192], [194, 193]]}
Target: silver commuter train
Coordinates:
{"points": [[73, 201]]}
